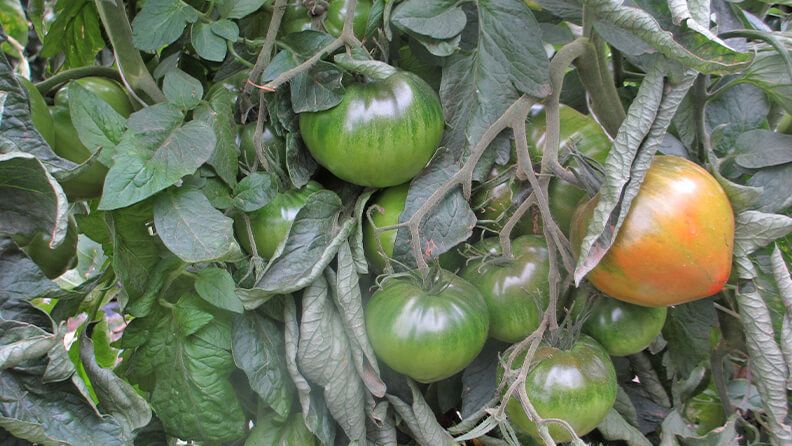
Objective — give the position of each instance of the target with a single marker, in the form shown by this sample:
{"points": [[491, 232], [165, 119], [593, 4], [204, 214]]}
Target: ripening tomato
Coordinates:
{"points": [[515, 289], [675, 244], [576, 385], [381, 134], [427, 335]]}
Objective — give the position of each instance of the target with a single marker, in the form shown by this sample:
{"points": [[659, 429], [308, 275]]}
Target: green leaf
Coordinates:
{"points": [[207, 44], [226, 29], [299, 163], [775, 183], [217, 193], [374, 69], [160, 23], [614, 427], [741, 197], [33, 202], [218, 113], [312, 243], [191, 228], [784, 285], [479, 379], [706, 54], [191, 394], [763, 148], [315, 413], [115, 395], [770, 72], [754, 230], [12, 18], [739, 109], [269, 431], [687, 331], [20, 281], [255, 191], [17, 132], [324, 356], [182, 89], [216, 286], [258, 349], [154, 153], [21, 342], [236, 9], [767, 361], [451, 221], [438, 19], [77, 32], [98, 125], [420, 419]]}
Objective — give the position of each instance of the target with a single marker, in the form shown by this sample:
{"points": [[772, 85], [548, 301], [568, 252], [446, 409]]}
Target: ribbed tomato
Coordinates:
{"points": [[676, 243]]}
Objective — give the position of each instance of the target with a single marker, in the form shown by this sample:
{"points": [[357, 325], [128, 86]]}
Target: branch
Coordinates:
{"points": [[265, 55]]}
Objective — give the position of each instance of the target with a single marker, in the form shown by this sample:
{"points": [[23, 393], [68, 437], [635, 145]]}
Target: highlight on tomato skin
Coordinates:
{"points": [[675, 244]]}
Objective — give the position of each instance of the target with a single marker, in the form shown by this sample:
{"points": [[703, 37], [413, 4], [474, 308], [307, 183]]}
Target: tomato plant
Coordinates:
{"points": [[691, 245], [429, 334], [577, 385], [399, 116], [217, 295], [621, 328], [515, 289]]}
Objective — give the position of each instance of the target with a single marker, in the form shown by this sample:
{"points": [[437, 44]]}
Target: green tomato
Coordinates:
{"points": [[54, 262], [336, 14], [427, 335], [621, 328], [387, 206], [588, 138], [106, 89], [576, 385], [381, 134], [705, 410], [67, 145], [268, 139], [270, 225], [39, 113], [295, 19], [496, 199], [516, 290]]}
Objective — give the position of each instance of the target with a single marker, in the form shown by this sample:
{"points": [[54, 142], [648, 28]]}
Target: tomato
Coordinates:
{"points": [[427, 335], [295, 19], [381, 134], [496, 199], [588, 138], [675, 244], [576, 385], [39, 113], [516, 290], [54, 262], [408, 61], [620, 327], [67, 145], [337, 12], [271, 224], [108, 90], [268, 139]]}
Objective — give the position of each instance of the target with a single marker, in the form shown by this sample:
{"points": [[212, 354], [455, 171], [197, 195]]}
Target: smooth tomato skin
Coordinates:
{"points": [[588, 138], [295, 19], [389, 204], [425, 335], [268, 139], [106, 89], [620, 327], [675, 244], [67, 145], [576, 385], [39, 112], [337, 12], [515, 290], [271, 224], [381, 134], [54, 262]]}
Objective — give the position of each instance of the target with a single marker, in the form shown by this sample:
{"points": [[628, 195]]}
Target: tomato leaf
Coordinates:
{"points": [[160, 23], [315, 413], [33, 201], [191, 228], [254, 191], [76, 32], [420, 419], [268, 430], [182, 89], [98, 125], [207, 43], [236, 9], [258, 349], [312, 243], [154, 153], [754, 230], [216, 286], [479, 378], [218, 113], [776, 149], [299, 163], [185, 353], [614, 427], [325, 357], [17, 132], [687, 330]]}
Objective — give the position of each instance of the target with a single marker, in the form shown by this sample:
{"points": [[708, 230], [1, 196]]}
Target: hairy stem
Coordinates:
{"points": [[596, 78], [699, 103], [265, 55]]}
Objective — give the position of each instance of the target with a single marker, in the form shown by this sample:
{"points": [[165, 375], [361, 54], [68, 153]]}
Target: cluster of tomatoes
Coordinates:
{"points": [[669, 250]]}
